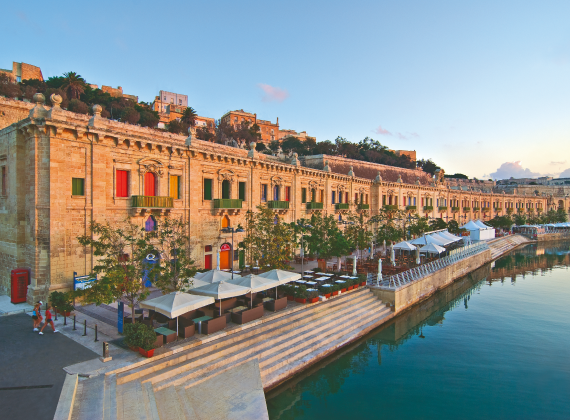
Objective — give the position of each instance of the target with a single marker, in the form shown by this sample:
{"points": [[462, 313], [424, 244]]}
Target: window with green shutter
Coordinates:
{"points": [[303, 195], [207, 189], [77, 186], [242, 191]]}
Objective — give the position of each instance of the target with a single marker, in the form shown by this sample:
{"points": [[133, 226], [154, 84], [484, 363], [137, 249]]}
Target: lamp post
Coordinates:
{"points": [[231, 230]]}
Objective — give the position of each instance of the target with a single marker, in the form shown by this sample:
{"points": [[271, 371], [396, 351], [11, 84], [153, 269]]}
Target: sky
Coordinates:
{"points": [[481, 87]]}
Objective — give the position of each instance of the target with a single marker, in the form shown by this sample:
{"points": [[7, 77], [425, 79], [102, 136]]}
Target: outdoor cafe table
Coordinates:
{"points": [[344, 277], [309, 272], [237, 309], [301, 281], [340, 281], [323, 274], [312, 290], [327, 285], [353, 278], [167, 333], [199, 322], [323, 278], [267, 299], [311, 283], [307, 277]]}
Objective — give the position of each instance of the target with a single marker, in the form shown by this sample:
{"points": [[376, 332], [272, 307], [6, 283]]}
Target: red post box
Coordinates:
{"points": [[20, 280]]}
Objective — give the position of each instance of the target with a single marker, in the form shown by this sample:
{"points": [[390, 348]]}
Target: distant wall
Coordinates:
{"points": [[368, 170]]}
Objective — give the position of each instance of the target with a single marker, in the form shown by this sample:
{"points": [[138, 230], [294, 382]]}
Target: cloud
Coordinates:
{"points": [[382, 131], [565, 174], [558, 163], [272, 93], [513, 169]]}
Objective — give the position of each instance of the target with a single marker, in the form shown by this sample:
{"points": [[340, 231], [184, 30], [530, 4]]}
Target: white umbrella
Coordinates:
{"points": [[281, 276], [450, 236], [404, 246], [393, 256], [418, 261], [213, 276], [432, 249], [354, 266], [443, 239], [430, 239], [176, 303], [197, 283], [255, 284], [419, 241], [221, 290]]}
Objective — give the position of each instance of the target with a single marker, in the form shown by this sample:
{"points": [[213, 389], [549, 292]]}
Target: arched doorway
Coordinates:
{"points": [[149, 184], [225, 256]]}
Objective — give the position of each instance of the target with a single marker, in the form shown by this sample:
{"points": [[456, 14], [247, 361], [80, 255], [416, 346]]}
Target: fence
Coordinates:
{"points": [[423, 270]]}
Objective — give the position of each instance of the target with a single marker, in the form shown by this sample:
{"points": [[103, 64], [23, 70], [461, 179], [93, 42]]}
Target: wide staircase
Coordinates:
{"points": [[157, 388], [503, 245]]}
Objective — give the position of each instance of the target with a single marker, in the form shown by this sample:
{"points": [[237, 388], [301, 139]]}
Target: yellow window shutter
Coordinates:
{"points": [[174, 187]]}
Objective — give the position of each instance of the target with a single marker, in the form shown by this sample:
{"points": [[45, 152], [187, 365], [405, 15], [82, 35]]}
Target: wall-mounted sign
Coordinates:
{"points": [[225, 247]]}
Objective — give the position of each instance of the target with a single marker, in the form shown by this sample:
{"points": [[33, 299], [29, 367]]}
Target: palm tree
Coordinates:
{"points": [[189, 116], [73, 83]]}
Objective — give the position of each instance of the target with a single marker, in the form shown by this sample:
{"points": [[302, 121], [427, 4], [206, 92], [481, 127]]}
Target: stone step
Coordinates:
{"points": [[110, 398], [150, 402], [89, 399], [189, 411], [268, 347], [130, 401], [271, 379], [240, 339], [301, 351], [168, 404]]}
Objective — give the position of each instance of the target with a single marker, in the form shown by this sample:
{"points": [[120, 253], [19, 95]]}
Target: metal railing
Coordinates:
{"points": [[152, 201], [313, 205], [363, 206], [275, 204], [417, 273], [341, 206], [227, 203]]}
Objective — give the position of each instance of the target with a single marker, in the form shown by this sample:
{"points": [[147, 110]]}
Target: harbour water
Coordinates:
{"points": [[494, 344]]}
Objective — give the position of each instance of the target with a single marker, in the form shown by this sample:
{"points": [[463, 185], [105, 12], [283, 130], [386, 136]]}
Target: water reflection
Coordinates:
{"points": [[325, 383]]}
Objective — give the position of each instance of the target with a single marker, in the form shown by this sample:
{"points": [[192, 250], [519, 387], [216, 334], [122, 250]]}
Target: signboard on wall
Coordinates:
{"points": [[225, 247], [82, 282]]}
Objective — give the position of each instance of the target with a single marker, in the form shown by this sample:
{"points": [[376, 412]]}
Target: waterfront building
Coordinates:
{"points": [[62, 170]]}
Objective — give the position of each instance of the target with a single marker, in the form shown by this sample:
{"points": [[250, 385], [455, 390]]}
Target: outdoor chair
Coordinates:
{"points": [[226, 304], [214, 325], [186, 328], [276, 305], [248, 315], [159, 340]]}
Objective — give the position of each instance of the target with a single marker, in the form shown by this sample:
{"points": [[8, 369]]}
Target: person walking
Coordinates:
{"points": [[37, 315], [48, 321]]}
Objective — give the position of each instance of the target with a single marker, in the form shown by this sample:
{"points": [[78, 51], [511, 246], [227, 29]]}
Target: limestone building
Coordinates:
{"points": [[62, 170], [23, 71]]}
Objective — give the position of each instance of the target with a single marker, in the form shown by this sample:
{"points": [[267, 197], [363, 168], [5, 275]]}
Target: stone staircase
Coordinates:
{"points": [[160, 388], [503, 245]]}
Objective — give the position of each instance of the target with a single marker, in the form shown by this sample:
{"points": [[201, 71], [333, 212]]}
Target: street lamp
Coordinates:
{"points": [[231, 230]]}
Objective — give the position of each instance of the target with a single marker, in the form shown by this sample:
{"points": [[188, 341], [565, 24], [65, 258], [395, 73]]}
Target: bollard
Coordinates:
{"points": [[96, 339], [84, 328], [55, 309], [74, 323], [105, 349], [64, 319]]}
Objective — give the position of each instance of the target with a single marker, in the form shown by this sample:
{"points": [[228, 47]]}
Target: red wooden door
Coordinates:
{"points": [[208, 262], [149, 184]]}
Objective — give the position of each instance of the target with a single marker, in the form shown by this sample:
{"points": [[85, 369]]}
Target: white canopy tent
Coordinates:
{"points": [[482, 225], [432, 249], [478, 231], [255, 283], [281, 275], [213, 276], [404, 246], [443, 239], [450, 236]]}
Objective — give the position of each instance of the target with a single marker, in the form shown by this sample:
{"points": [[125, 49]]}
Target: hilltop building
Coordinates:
{"points": [[23, 71]]}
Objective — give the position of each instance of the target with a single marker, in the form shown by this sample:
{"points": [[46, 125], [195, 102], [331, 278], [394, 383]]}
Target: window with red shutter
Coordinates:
{"points": [[122, 180]]}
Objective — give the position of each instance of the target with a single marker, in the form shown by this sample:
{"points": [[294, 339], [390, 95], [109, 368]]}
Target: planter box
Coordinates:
{"points": [[63, 313], [350, 287], [328, 295], [335, 293], [342, 290], [135, 349], [363, 283], [146, 353], [314, 300], [355, 286], [300, 300], [290, 297]]}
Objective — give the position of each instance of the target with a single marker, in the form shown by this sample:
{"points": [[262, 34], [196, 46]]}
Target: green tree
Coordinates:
{"points": [[176, 267], [8, 88], [418, 226], [189, 116], [437, 224], [74, 84], [561, 215], [322, 235], [177, 127], [520, 219], [358, 231], [268, 241], [428, 166], [80, 107], [120, 252]]}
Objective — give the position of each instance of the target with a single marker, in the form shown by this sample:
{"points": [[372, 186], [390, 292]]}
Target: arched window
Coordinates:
{"points": [[225, 222], [149, 184], [225, 189], [150, 224]]}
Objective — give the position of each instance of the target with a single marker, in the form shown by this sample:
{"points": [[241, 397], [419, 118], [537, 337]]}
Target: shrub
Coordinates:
{"points": [[140, 335], [61, 301], [301, 292], [75, 105], [312, 294]]}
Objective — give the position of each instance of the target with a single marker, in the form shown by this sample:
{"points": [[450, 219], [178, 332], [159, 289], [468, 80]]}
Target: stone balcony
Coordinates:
{"points": [[279, 206], [143, 203], [227, 205]]}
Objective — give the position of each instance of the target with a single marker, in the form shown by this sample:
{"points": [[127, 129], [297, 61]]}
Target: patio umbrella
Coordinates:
{"points": [[221, 290], [404, 246], [432, 249], [443, 239], [354, 266], [255, 284], [418, 261], [430, 239], [379, 276], [393, 256], [281, 276], [213, 276], [176, 303]]}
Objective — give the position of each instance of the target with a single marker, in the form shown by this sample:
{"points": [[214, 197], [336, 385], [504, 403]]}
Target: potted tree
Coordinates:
{"points": [[313, 296], [349, 284], [301, 294], [362, 280], [132, 339], [147, 339], [335, 289], [62, 303], [326, 291]]}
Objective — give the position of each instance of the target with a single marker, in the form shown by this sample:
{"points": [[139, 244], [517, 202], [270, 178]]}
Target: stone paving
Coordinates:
{"points": [[8, 308], [31, 367]]}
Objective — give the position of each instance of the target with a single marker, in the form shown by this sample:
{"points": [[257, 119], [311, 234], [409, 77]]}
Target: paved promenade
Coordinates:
{"points": [[31, 367]]}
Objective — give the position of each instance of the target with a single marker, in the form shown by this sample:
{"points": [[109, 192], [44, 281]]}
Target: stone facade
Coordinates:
{"points": [[23, 71], [40, 217]]}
